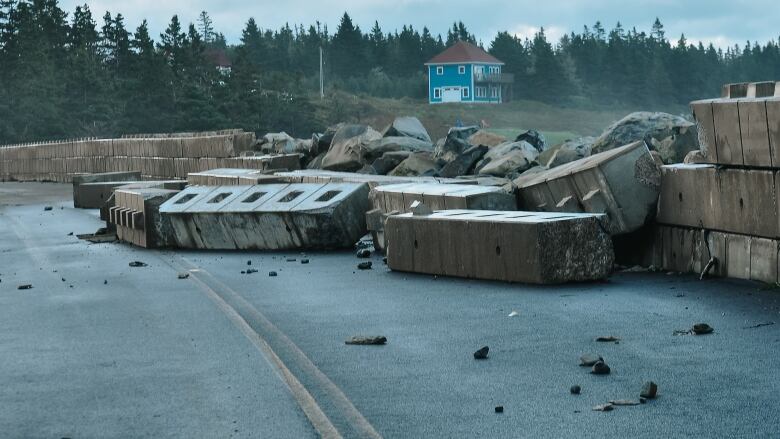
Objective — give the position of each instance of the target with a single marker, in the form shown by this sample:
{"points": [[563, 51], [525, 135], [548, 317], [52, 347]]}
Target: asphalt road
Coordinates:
{"points": [[116, 351]]}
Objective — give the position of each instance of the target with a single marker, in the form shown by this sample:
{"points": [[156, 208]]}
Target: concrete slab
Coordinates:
{"points": [[509, 246]]}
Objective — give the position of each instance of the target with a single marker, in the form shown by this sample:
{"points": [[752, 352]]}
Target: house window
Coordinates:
{"points": [[461, 70], [493, 92], [439, 70], [437, 93], [465, 92], [494, 69], [480, 92]]}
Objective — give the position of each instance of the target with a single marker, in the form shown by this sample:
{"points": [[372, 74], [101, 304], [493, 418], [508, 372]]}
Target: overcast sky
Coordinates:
{"points": [[722, 22]]}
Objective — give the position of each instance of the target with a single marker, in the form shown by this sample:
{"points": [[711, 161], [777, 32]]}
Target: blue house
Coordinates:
{"points": [[466, 73]]}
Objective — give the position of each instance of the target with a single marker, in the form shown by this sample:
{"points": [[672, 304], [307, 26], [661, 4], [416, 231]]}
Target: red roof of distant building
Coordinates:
{"points": [[463, 52]]}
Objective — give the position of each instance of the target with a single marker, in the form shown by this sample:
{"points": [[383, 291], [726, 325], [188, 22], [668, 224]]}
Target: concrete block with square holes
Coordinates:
{"points": [[530, 247], [622, 183], [268, 216]]}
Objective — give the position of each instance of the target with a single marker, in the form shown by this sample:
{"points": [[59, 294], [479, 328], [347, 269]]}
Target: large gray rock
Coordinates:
{"points": [[464, 162], [486, 138], [417, 164], [407, 127], [456, 142], [533, 137], [507, 159], [389, 161], [376, 148], [345, 153], [672, 136], [568, 151]]}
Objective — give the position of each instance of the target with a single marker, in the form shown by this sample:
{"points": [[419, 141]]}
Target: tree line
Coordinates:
{"points": [[66, 75]]}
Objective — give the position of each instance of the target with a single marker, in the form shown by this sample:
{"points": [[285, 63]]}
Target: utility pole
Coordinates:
{"points": [[322, 81]]}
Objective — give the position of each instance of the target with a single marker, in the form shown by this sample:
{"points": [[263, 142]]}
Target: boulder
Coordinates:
{"points": [[456, 142], [345, 150], [407, 127], [572, 149], [420, 163], [486, 138], [672, 136], [316, 162], [464, 162], [281, 143], [507, 158], [376, 148], [533, 137], [389, 161]]}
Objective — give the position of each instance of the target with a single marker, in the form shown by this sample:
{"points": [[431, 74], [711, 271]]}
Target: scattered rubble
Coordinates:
{"points": [[138, 264], [607, 339], [575, 390], [272, 274], [603, 408], [363, 253], [48, 208], [365, 265], [24, 287], [588, 360], [482, 353], [623, 402], [184, 275], [304, 261], [701, 329], [367, 340], [649, 390], [499, 409], [600, 368]]}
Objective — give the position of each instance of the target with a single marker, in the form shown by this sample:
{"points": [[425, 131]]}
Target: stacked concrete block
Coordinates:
{"points": [[137, 218], [622, 183], [269, 216], [398, 198], [530, 247], [727, 210], [105, 208], [322, 176], [231, 177], [156, 157], [94, 195]]}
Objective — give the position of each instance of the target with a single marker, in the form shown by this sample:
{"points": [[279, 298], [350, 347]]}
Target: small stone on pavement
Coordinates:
{"points": [[365, 265], [482, 354], [588, 360], [364, 253], [702, 328], [649, 390], [575, 390], [600, 368], [367, 340]]}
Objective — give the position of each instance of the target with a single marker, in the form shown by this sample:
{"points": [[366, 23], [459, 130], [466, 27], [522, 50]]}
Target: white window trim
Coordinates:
{"points": [[439, 70], [480, 92], [461, 70], [464, 93], [437, 93], [494, 92]]}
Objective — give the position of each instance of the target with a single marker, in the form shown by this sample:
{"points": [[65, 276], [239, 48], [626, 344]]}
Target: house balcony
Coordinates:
{"points": [[494, 78]]}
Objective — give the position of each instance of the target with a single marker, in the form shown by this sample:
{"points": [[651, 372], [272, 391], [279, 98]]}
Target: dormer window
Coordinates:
{"points": [[461, 70]]}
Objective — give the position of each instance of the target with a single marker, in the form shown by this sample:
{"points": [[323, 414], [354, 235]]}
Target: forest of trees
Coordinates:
{"points": [[66, 75]]}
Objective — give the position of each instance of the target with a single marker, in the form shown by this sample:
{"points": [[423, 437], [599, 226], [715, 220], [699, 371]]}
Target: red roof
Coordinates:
{"points": [[463, 52]]}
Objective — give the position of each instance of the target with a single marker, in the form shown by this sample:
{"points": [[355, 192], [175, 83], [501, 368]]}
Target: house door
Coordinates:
{"points": [[450, 94]]}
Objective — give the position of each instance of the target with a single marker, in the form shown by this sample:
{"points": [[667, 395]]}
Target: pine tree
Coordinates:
{"points": [[206, 27]]}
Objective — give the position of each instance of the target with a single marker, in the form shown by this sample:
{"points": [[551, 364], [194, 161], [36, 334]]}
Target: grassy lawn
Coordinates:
{"points": [[557, 123]]}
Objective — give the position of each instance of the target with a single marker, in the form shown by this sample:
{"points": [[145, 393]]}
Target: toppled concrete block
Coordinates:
{"points": [[231, 177], [90, 197], [623, 183], [136, 216], [173, 185], [532, 247], [269, 217], [742, 201], [321, 176]]}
